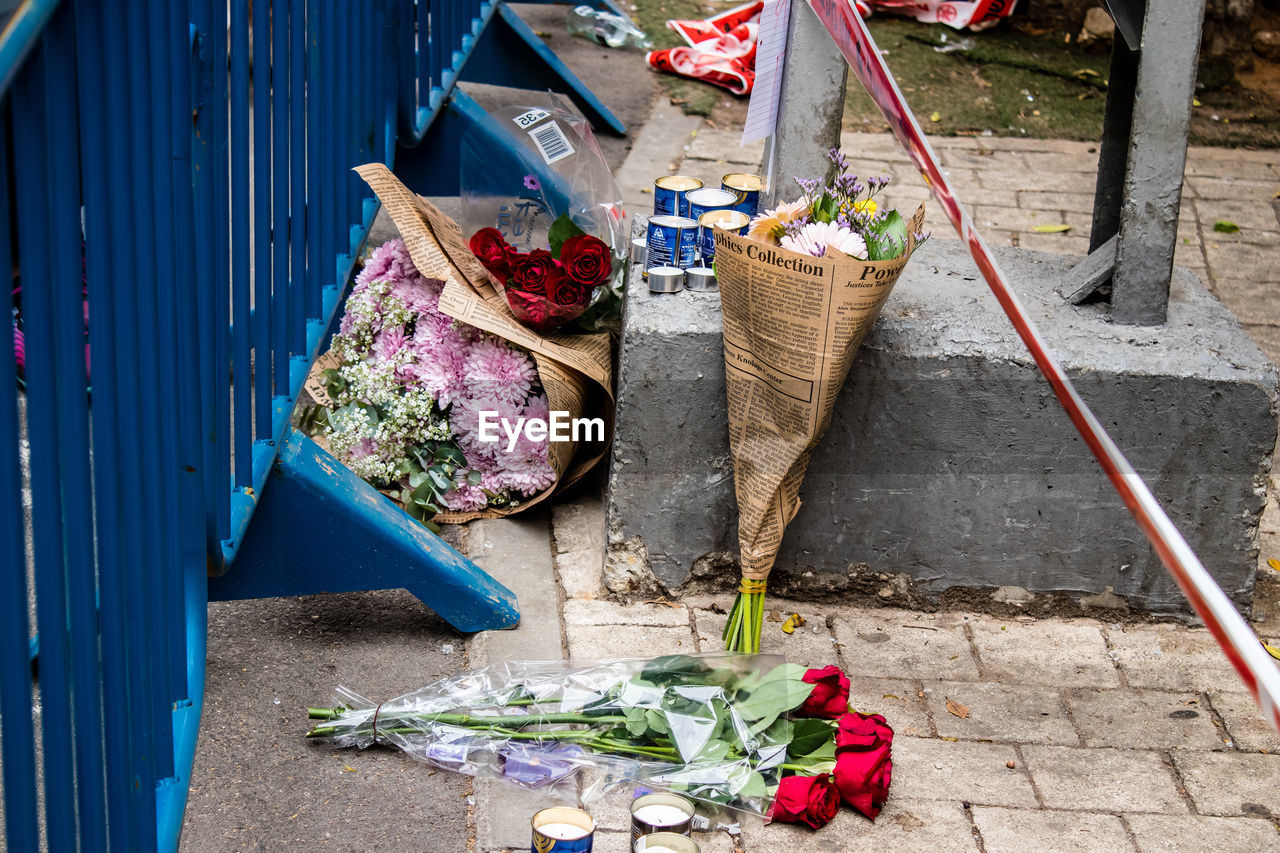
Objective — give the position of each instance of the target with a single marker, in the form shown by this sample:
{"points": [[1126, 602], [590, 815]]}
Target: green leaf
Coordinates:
{"points": [[754, 789], [561, 230], [474, 477], [888, 238], [416, 478], [449, 454], [438, 477], [637, 721], [657, 721], [1225, 226], [782, 689], [809, 735]]}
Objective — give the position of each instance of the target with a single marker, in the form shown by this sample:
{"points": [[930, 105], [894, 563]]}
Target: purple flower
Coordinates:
{"points": [[531, 182], [19, 347], [837, 159], [539, 764]]}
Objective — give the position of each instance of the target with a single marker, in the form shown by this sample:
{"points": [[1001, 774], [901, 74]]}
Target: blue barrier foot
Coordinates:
{"points": [[509, 53], [320, 528]]}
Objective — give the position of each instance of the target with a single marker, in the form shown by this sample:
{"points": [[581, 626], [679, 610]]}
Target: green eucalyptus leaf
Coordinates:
{"points": [[438, 477], [474, 477], [561, 230]]}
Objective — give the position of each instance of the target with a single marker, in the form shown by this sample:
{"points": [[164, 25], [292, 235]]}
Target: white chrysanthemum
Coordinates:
{"points": [[819, 238]]}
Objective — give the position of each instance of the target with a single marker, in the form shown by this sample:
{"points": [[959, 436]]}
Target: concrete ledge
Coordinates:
{"points": [[949, 465]]}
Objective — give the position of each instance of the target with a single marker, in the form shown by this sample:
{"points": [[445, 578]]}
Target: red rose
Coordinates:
{"points": [[540, 313], [586, 259], [811, 800], [563, 290], [863, 779], [830, 696], [533, 272], [864, 764], [491, 249], [862, 732]]}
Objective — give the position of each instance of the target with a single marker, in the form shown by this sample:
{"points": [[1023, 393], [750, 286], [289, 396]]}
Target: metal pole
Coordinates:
{"points": [[810, 105], [1157, 157]]}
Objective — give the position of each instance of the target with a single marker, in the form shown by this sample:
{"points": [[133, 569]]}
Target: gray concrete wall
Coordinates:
{"points": [[949, 464]]}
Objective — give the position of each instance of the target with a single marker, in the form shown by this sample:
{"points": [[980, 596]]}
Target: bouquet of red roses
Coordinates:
{"points": [[546, 289]]}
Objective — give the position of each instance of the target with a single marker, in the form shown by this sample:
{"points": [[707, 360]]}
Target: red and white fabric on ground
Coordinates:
{"points": [[974, 14], [720, 50]]}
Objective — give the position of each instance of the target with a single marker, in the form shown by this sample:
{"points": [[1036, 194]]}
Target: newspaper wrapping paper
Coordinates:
{"points": [[792, 325], [575, 370]]}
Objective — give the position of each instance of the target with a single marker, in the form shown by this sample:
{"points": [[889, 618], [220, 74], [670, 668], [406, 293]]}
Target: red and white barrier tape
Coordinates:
{"points": [[1237, 640]]}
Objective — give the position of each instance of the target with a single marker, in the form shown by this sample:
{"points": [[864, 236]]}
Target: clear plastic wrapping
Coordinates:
{"points": [[714, 728]]}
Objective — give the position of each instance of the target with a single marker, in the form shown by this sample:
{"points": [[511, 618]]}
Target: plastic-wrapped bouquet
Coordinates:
{"points": [[752, 734], [410, 390], [546, 289]]}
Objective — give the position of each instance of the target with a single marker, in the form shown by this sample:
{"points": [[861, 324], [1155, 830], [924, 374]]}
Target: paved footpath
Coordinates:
{"points": [[1083, 735]]}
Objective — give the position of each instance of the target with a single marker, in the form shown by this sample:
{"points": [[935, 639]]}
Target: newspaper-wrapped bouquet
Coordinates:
{"points": [[436, 393], [798, 292], [748, 733]]}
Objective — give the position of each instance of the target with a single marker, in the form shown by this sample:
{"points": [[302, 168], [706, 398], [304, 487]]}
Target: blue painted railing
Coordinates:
{"points": [[186, 164]]}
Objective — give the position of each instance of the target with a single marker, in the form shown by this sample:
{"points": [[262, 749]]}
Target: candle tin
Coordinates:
{"points": [[548, 823], [666, 842], [671, 241], [660, 812], [708, 198], [730, 220], [638, 250], [669, 194], [665, 279], [746, 191], [700, 279]]}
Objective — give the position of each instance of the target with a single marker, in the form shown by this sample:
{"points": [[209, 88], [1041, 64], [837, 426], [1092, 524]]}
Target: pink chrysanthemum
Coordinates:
{"points": [[19, 348], [464, 419], [389, 262], [388, 343], [465, 497], [494, 369]]}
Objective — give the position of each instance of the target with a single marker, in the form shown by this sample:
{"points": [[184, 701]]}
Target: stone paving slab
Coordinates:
{"points": [[900, 702], [810, 645], [1007, 713], [1170, 657], [893, 643], [1186, 834], [602, 642], [904, 825], [1104, 779], [1232, 783], [1244, 724], [1054, 653], [612, 613], [1144, 719], [1018, 830], [932, 769]]}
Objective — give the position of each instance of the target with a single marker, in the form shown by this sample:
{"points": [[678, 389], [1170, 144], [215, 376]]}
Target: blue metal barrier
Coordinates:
{"points": [[187, 166]]}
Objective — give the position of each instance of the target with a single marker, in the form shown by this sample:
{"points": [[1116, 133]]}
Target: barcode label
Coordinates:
{"points": [[551, 142]]}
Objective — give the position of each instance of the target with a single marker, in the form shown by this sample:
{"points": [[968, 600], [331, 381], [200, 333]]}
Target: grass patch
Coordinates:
{"points": [[692, 96], [1011, 82]]}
